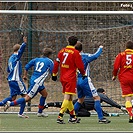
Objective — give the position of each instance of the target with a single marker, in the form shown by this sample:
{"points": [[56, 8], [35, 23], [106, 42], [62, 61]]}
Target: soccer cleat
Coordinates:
{"points": [[74, 120], [23, 116], [42, 115], [60, 120], [7, 105], [104, 121], [131, 119]]}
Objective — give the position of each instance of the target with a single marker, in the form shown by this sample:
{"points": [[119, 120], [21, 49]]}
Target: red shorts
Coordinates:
{"points": [[69, 87], [127, 88]]}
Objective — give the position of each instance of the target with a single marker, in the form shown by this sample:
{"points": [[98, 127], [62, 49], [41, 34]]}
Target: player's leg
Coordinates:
{"points": [[6, 105], [92, 92], [97, 104], [63, 108], [21, 112], [70, 89], [64, 105], [23, 93], [13, 92], [78, 104], [22, 108], [127, 92], [98, 108], [14, 103], [17, 102], [82, 91], [3, 102], [73, 118], [71, 107], [129, 108], [41, 106]]}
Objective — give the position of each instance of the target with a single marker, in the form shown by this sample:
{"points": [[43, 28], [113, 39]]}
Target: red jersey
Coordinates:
{"points": [[69, 60], [123, 65]]}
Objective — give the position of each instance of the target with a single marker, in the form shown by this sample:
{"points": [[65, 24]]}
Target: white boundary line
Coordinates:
{"points": [[62, 12]]}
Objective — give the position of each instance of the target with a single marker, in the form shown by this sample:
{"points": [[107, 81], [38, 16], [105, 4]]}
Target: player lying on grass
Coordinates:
{"points": [[88, 104]]}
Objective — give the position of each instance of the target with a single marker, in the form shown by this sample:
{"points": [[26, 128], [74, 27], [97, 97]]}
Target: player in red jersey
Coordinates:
{"points": [[69, 60], [123, 67]]}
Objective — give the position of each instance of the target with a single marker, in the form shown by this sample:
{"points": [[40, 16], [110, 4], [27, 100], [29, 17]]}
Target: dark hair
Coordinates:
{"points": [[72, 40], [16, 47], [47, 52], [101, 90], [129, 45], [78, 46]]}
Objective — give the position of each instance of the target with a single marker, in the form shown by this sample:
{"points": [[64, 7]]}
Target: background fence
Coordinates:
{"points": [[111, 31]]}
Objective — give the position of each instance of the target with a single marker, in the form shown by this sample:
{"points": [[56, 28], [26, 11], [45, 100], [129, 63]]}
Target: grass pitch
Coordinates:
{"points": [[11, 122]]}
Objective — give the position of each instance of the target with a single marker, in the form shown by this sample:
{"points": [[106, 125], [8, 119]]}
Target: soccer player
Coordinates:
{"points": [[42, 67], [69, 60], [89, 103], [14, 69], [123, 67], [85, 87]]}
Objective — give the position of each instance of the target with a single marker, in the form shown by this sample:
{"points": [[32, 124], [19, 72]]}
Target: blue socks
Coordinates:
{"points": [[98, 109], [5, 100], [18, 101], [77, 105], [41, 104], [22, 103], [22, 107]]}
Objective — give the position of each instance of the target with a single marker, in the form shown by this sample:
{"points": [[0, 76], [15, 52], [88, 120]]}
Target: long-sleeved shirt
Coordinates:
{"points": [[14, 68], [87, 58]]}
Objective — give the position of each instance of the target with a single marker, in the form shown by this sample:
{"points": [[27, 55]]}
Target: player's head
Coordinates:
{"points": [[46, 52], [16, 47], [72, 40], [101, 90], [78, 46], [129, 45]]}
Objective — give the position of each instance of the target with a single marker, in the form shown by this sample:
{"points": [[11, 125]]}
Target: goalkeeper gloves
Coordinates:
{"points": [[54, 76], [123, 109]]}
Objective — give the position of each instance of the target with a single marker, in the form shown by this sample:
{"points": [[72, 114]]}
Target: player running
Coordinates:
{"points": [[42, 67]]}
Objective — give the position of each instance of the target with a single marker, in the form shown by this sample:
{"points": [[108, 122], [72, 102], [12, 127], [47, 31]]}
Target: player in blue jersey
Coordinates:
{"points": [[14, 69], [42, 67], [85, 87]]}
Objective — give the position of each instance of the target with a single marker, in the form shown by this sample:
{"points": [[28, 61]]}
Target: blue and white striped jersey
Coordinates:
{"points": [[14, 65], [42, 67], [87, 58]]}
